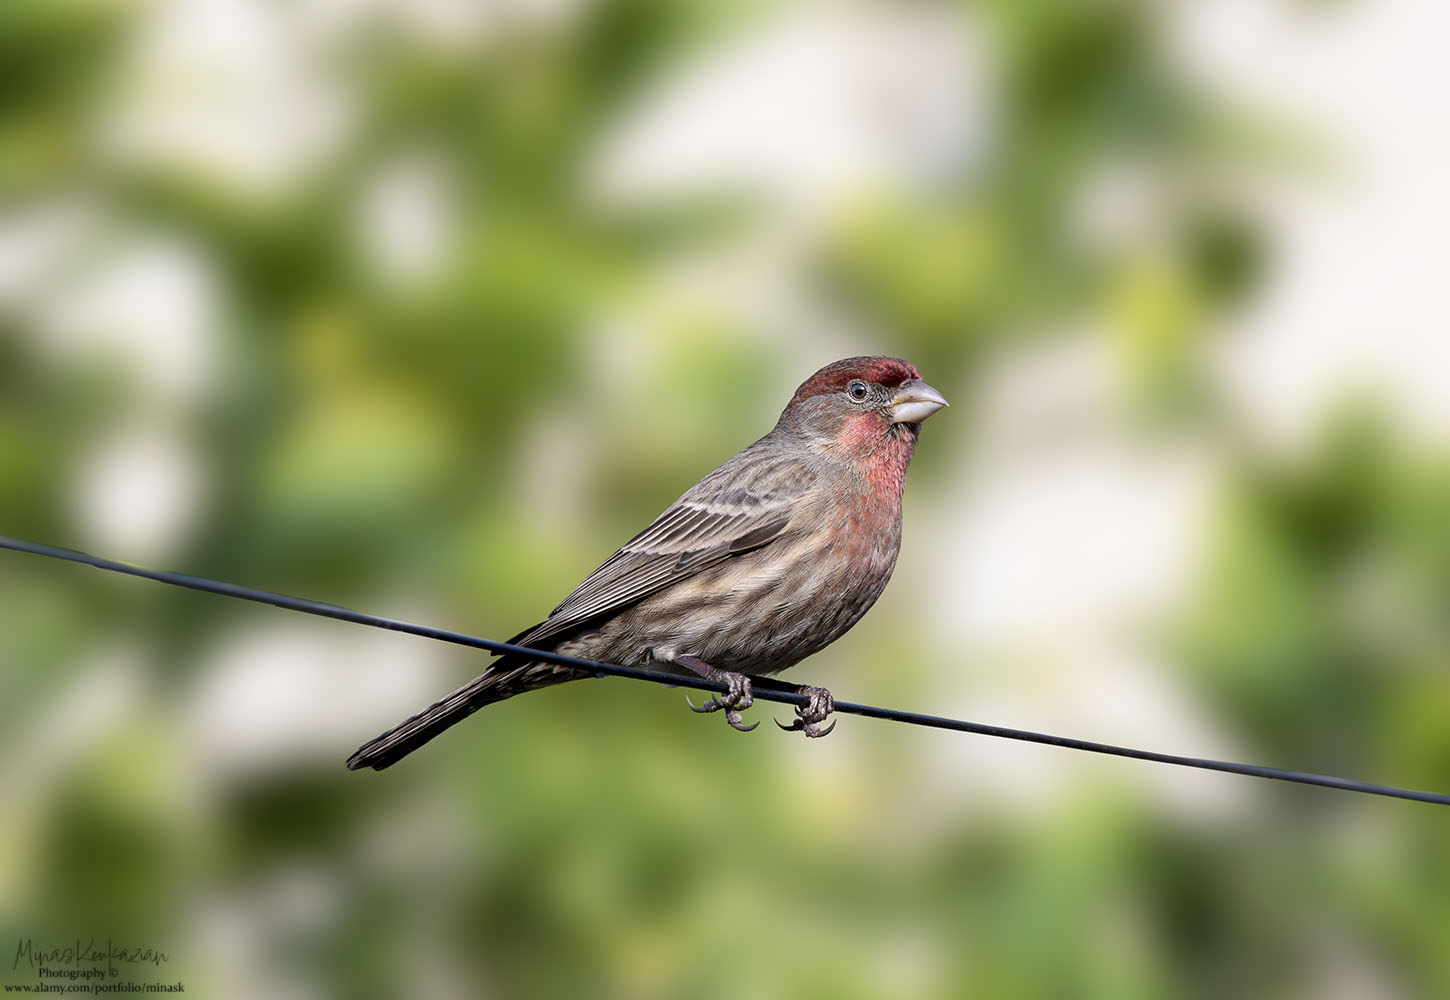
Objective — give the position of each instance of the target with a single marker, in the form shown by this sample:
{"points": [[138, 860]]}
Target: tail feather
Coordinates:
{"points": [[503, 680]]}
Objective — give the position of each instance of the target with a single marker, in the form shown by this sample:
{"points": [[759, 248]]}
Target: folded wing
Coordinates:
{"points": [[694, 534]]}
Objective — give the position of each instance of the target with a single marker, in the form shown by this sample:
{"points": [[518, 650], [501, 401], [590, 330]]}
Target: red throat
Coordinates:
{"points": [[880, 457]]}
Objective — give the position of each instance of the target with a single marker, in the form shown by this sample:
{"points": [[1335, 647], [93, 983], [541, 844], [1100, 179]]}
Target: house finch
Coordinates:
{"points": [[768, 559]]}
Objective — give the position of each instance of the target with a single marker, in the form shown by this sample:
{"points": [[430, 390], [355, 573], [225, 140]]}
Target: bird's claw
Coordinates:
{"points": [[733, 701], [808, 717], [736, 722], [809, 728]]}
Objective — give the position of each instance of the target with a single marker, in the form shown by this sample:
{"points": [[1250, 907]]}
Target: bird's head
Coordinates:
{"points": [[856, 406]]}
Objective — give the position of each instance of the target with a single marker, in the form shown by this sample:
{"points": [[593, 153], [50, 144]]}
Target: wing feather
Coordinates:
{"points": [[701, 529]]}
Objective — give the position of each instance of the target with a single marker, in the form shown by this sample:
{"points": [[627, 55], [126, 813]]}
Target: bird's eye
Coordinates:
{"points": [[858, 390]]}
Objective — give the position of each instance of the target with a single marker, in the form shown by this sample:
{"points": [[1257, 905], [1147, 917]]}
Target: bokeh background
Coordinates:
{"points": [[422, 306]]}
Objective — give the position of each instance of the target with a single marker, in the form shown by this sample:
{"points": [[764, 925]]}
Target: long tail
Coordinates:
{"points": [[504, 679]]}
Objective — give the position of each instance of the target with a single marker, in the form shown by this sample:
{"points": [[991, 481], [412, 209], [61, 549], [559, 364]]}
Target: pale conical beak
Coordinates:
{"points": [[914, 402]]}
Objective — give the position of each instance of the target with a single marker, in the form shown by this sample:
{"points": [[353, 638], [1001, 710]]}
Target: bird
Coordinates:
{"points": [[765, 561]]}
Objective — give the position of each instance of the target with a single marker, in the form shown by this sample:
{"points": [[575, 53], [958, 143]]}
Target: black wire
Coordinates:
{"points": [[765, 689]]}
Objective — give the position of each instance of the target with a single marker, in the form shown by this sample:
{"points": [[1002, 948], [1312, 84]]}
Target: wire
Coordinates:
{"points": [[764, 688]]}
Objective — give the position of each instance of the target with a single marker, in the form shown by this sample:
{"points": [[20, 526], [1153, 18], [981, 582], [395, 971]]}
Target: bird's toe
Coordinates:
{"points": [[816, 710], [737, 698]]}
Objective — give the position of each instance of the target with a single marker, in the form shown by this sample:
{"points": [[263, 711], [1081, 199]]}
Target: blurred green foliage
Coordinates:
{"points": [[365, 441]]}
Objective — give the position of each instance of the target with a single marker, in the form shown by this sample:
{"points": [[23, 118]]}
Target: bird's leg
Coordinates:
{"points": [[808, 717], [733, 701]]}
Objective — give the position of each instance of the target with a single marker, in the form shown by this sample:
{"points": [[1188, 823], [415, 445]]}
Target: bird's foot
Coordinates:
{"points": [[808, 717], [738, 698]]}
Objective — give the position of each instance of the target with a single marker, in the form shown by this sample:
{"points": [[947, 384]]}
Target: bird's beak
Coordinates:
{"points": [[914, 402]]}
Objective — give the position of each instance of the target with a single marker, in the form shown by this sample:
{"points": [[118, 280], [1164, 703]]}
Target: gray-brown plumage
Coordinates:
{"points": [[766, 560]]}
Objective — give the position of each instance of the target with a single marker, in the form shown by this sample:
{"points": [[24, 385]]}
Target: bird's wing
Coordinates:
{"points": [[702, 528]]}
